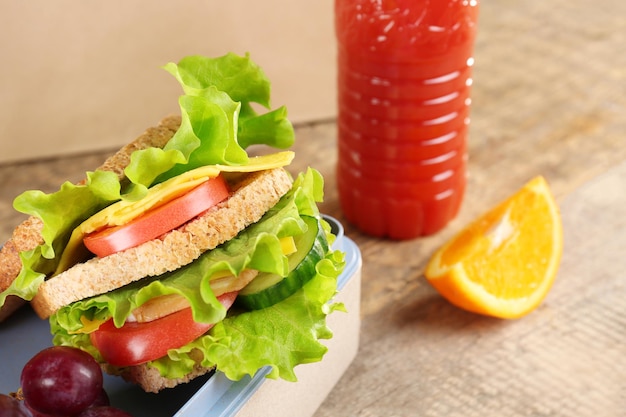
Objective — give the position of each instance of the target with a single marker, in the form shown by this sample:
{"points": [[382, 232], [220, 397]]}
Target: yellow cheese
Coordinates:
{"points": [[261, 163], [288, 245], [89, 326], [123, 211]]}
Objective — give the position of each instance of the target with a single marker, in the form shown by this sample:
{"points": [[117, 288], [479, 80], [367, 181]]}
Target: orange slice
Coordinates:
{"points": [[504, 263]]}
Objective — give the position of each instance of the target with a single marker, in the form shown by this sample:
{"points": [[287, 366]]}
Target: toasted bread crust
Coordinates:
{"points": [[27, 235], [23, 238], [149, 378], [155, 137], [252, 196]]}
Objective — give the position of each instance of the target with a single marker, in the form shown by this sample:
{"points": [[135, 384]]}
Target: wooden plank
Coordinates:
{"points": [[422, 356]]}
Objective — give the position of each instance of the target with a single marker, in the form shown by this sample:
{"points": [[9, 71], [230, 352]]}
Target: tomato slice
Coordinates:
{"points": [[158, 221], [136, 343]]}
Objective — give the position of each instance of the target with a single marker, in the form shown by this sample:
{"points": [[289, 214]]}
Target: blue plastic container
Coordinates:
{"points": [[24, 334]]}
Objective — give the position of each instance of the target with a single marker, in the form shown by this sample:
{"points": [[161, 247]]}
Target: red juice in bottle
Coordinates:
{"points": [[404, 78]]}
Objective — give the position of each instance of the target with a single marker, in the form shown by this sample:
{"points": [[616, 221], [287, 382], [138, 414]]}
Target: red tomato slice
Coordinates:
{"points": [[162, 219], [136, 343]]}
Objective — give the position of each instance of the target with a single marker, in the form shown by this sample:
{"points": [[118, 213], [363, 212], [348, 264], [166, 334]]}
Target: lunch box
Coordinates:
{"points": [[23, 335]]}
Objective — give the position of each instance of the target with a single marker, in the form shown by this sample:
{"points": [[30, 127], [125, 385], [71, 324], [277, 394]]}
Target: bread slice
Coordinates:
{"points": [[253, 195], [150, 379], [27, 235]]}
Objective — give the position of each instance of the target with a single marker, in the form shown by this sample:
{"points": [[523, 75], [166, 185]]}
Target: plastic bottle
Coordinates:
{"points": [[404, 78]]}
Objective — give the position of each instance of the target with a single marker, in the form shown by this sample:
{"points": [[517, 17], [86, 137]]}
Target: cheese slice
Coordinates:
{"points": [[124, 211]]}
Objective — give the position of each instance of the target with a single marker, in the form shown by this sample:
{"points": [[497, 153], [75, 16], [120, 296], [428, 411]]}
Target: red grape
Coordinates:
{"points": [[101, 400], [10, 407], [35, 413], [61, 381]]}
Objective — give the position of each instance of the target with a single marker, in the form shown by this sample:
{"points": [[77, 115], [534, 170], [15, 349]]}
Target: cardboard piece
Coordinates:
{"points": [[83, 76]]}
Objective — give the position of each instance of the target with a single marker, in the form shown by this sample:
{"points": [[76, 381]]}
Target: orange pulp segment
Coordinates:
{"points": [[503, 263]]}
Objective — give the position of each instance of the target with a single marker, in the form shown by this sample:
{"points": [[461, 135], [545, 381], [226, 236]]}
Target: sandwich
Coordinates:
{"points": [[184, 254]]}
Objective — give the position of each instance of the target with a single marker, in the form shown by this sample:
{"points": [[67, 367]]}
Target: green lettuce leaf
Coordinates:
{"points": [[239, 77], [60, 212], [207, 136], [271, 127], [215, 110], [238, 345]]}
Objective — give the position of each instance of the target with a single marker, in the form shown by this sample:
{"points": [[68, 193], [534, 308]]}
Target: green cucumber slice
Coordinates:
{"points": [[268, 289]]}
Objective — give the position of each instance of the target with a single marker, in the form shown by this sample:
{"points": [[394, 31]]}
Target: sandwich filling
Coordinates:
{"points": [[234, 340], [166, 206]]}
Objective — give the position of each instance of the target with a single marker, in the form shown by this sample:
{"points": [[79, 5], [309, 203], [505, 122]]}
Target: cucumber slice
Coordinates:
{"points": [[268, 289]]}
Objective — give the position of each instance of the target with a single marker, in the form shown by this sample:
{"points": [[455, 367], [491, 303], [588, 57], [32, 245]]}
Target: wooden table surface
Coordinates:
{"points": [[549, 98]]}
